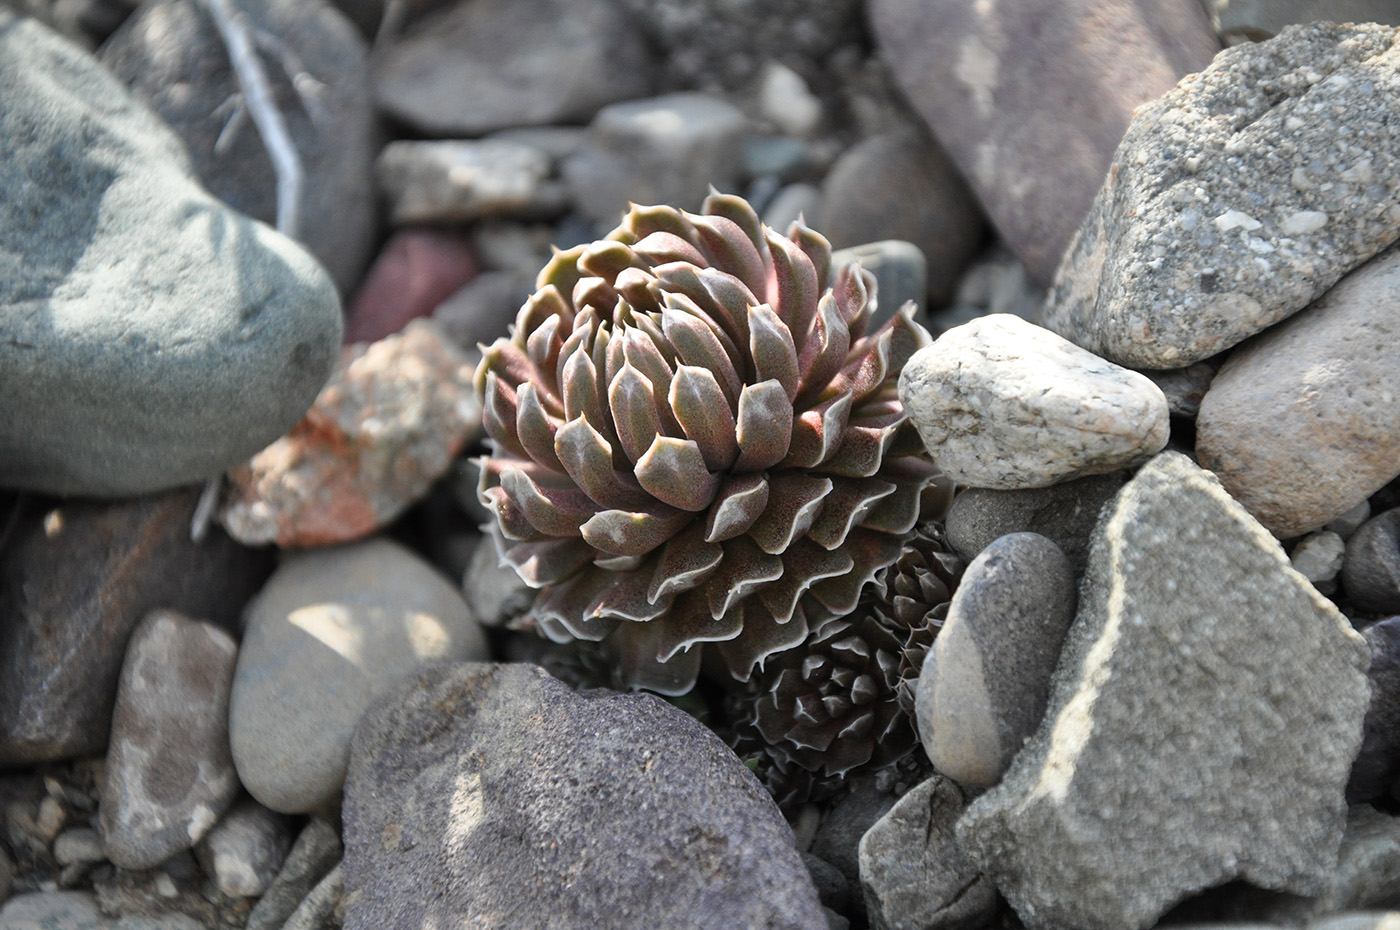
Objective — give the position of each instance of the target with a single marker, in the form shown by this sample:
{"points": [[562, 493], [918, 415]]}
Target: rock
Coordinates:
{"points": [[1377, 764], [493, 590], [78, 910], [155, 377], [1366, 876], [831, 885], [1301, 423], [470, 68], [984, 684], [416, 270], [1371, 572], [169, 775], [508, 793], [245, 850], [1230, 206], [1358, 920], [79, 846], [1351, 521], [1065, 513], [997, 282], [331, 630], [667, 150], [787, 102], [1318, 557], [912, 872], [901, 275], [901, 186], [1239, 21], [388, 424], [315, 854], [1185, 387], [995, 84], [838, 838], [1003, 404], [483, 308], [795, 202], [172, 57], [461, 181], [323, 907], [1170, 716], [76, 579]]}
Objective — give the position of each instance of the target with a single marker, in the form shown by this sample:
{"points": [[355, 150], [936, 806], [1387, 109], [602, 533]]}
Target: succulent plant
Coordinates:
{"points": [[695, 440]]}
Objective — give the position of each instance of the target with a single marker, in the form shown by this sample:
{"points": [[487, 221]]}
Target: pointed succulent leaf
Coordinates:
{"points": [[852, 290], [547, 562], [660, 247], [588, 459], [564, 601], [596, 293], [761, 638], [625, 597], [796, 292], [606, 258], [868, 367], [640, 289], [704, 412], [510, 519], [686, 560], [553, 511], [851, 499], [505, 360], [734, 298], [898, 512], [732, 250], [697, 345], [544, 306], [689, 623], [815, 246], [542, 347], [745, 569], [740, 501], [535, 428], [498, 414], [816, 434], [642, 221], [794, 500], [739, 211], [561, 271], [636, 646], [763, 428], [634, 408], [774, 356], [804, 564], [582, 397], [623, 532], [871, 551], [682, 279], [824, 354], [861, 452], [673, 471], [906, 336]]}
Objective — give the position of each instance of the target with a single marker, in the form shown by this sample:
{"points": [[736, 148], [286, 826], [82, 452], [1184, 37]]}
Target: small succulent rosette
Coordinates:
{"points": [[695, 440]]}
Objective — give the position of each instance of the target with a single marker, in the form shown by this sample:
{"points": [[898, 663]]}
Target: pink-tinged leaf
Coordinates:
{"points": [[579, 386], [815, 246], [634, 410], [640, 289], [642, 354], [606, 258], [733, 300], [824, 354], [536, 428], [596, 293], [732, 250], [762, 637], [566, 601], [879, 411], [622, 532], [625, 598], [697, 345], [547, 562], [636, 646], [688, 624], [510, 520], [852, 289], [861, 452], [506, 361], [588, 459], [816, 434], [542, 348], [850, 501], [544, 305], [659, 248], [561, 271], [673, 471], [642, 221], [739, 211], [764, 426], [774, 356], [553, 511], [705, 413], [906, 336], [795, 293], [618, 563], [745, 569], [498, 414], [804, 564], [897, 513], [686, 560], [794, 500], [740, 501], [872, 551]]}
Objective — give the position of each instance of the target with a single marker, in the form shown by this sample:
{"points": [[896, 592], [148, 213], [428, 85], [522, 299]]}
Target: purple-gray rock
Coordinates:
{"points": [[1377, 764], [169, 774], [838, 838], [315, 853], [1371, 569], [244, 852], [521, 803]]}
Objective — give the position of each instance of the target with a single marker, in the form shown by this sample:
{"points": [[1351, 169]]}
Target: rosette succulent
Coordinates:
{"points": [[695, 440]]}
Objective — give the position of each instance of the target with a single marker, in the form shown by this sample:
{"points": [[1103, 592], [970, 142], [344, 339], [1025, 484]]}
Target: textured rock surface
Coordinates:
{"points": [[415, 271], [78, 910], [458, 181], [1004, 404], [1302, 423], [168, 774], [77, 578], [1371, 571], [171, 55], [524, 803], [330, 631], [912, 872], [985, 682], [1377, 764], [122, 372], [1255, 20], [1202, 682], [245, 850], [1005, 88], [900, 270], [315, 853], [388, 424], [838, 838], [1233, 201], [1318, 557]]}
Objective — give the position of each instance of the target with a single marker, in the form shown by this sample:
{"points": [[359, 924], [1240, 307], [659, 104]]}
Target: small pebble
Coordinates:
{"points": [[1318, 557], [78, 846], [1371, 573], [245, 850]]}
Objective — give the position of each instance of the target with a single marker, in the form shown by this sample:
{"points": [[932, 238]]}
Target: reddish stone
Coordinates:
{"points": [[416, 270]]}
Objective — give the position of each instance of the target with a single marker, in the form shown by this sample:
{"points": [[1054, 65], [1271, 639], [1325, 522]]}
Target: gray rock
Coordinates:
{"points": [[1367, 874], [901, 275], [1004, 404], [460, 181], [1185, 387], [1171, 715], [171, 56], [75, 581], [1371, 572], [323, 907], [78, 910], [831, 885], [1065, 513], [467, 69], [79, 846], [1230, 206], [795, 202], [1351, 521], [902, 186], [483, 308], [123, 372], [1318, 557], [785, 100], [668, 149], [1358, 920], [245, 850], [523, 803], [984, 684], [1239, 21], [169, 774], [315, 853], [1377, 764], [493, 590], [332, 630], [912, 872], [996, 83], [838, 838], [1301, 423]]}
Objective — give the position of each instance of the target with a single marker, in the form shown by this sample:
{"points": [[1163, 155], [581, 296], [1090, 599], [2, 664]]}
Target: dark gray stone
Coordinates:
{"points": [[1371, 571], [1256, 20], [315, 853], [1377, 765], [838, 838], [522, 803], [153, 337], [901, 275], [832, 887], [985, 682]]}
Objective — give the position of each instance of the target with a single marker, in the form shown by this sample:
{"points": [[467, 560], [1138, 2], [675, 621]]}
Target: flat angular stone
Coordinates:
{"points": [[1203, 681], [1238, 198], [1004, 404]]}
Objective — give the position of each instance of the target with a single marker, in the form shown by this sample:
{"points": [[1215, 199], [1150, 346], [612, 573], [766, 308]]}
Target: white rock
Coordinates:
{"points": [[460, 180]]}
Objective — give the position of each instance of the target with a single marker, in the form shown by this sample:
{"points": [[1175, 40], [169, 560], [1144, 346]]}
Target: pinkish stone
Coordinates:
{"points": [[416, 270]]}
